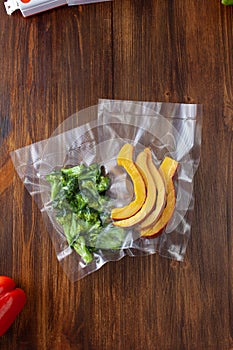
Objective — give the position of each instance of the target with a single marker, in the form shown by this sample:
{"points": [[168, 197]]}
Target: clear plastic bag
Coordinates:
{"points": [[168, 129]]}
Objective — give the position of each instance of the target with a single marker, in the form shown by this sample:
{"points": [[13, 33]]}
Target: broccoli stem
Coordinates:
{"points": [[80, 247]]}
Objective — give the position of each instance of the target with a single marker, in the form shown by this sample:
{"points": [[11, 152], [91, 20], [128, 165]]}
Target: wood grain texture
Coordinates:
{"points": [[64, 60]]}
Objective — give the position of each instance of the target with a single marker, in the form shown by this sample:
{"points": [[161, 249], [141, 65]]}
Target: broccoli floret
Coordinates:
{"points": [[73, 171], [70, 188], [77, 203], [89, 215], [103, 184]]}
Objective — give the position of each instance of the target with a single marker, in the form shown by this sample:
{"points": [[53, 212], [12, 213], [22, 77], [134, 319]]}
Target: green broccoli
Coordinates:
{"points": [[82, 208]]}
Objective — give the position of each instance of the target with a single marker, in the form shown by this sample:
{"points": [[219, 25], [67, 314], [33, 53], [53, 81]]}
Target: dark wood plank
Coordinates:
{"points": [[62, 61], [55, 64], [178, 53]]}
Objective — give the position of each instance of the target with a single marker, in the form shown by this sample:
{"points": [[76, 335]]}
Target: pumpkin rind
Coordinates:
{"points": [[161, 193], [168, 169]]}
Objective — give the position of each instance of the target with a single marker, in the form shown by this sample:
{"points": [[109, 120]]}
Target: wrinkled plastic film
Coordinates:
{"points": [[177, 128], [176, 132]]}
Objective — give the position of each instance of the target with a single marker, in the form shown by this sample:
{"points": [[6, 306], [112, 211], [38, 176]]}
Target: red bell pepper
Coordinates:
{"points": [[12, 301]]}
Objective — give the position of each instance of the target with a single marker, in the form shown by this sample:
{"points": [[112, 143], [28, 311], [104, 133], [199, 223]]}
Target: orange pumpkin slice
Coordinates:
{"points": [[168, 169], [161, 193], [142, 165], [125, 159]]}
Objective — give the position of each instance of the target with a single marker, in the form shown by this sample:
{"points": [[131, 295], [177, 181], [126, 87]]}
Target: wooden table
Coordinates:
{"points": [[64, 60]]}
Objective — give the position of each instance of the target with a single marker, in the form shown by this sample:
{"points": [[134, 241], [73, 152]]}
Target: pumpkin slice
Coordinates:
{"points": [[142, 165], [168, 169], [161, 193], [125, 159]]}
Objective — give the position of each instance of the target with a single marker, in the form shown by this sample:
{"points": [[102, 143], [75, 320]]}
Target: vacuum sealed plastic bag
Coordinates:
{"points": [[116, 179], [169, 129]]}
